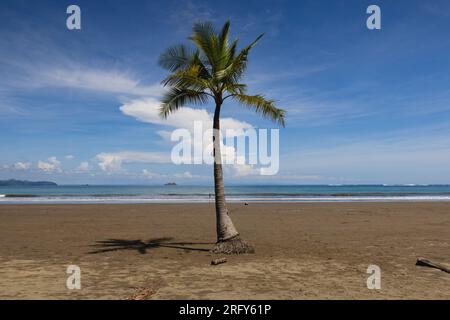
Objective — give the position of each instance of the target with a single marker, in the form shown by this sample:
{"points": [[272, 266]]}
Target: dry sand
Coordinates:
{"points": [[303, 251]]}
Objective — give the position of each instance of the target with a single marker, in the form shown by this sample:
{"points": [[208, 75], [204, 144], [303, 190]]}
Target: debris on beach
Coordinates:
{"points": [[427, 263], [215, 262], [141, 293]]}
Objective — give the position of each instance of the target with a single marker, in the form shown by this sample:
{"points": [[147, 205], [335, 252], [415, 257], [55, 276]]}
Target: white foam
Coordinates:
{"points": [[231, 198]]}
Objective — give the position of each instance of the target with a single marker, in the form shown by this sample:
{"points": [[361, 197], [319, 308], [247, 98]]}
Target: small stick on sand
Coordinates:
{"points": [[427, 263], [215, 262]]}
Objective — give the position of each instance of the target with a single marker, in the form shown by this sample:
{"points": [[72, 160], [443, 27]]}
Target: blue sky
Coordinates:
{"points": [[363, 106]]}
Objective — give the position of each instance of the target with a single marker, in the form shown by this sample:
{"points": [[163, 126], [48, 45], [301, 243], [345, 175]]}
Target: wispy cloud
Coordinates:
{"points": [[36, 60], [95, 80], [269, 78], [81, 78], [437, 8], [112, 161], [185, 13]]}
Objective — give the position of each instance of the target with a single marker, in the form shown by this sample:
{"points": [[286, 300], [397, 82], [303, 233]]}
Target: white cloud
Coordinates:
{"points": [[83, 167], [147, 110], [96, 80], [22, 165], [113, 161], [69, 157], [242, 170], [184, 175], [146, 173], [52, 165]]}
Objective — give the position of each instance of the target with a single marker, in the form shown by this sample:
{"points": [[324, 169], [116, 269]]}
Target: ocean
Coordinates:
{"points": [[195, 194]]}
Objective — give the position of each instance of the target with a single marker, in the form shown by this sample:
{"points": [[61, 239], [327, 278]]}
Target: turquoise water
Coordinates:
{"points": [[162, 194]]}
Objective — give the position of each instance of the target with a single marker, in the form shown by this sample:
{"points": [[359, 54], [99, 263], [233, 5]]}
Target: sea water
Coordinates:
{"points": [[193, 194]]}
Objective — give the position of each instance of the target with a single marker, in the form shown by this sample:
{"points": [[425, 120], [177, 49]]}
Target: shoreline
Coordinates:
{"points": [[425, 199]]}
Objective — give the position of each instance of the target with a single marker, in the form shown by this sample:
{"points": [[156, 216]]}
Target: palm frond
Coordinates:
{"points": [[263, 106], [176, 57], [204, 30], [235, 88], [176, 98], [237, 66], [190, 78], [251, 45], [205, 38], [223, 37], [204, 71]]}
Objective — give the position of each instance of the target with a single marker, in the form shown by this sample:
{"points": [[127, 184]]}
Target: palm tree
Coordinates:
{"points": [[213, 69]]}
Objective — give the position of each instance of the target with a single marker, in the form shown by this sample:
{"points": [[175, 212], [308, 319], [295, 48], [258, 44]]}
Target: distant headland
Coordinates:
{"points": [[13, 183], [170, 184]]}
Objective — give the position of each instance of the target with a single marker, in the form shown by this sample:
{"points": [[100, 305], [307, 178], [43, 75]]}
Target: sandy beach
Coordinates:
{"points": [[303, 251]]}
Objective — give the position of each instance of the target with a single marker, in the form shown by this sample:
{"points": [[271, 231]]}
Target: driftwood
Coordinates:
{"points": [[427, 263], [215, 262]]}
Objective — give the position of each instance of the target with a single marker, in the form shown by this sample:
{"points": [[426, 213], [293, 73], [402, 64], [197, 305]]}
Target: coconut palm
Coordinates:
{"points": [[213, 70]]}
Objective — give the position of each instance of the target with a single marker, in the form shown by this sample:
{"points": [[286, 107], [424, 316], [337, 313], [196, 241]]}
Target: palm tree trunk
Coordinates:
{"points": [[228, 240], [225, 228]]}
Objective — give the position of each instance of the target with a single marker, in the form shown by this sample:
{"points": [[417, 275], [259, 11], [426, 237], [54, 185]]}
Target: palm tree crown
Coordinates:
{"points": [[214, 70]]}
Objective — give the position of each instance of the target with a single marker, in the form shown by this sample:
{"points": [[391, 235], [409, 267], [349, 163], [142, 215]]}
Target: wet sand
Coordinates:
{"points": [[303, 251]]}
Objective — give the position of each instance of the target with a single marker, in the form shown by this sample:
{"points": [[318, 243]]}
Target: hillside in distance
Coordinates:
{"points": [[14, 183]]}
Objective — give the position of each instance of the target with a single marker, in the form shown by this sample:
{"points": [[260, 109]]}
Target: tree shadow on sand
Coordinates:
{"points": [[142, 246]]}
